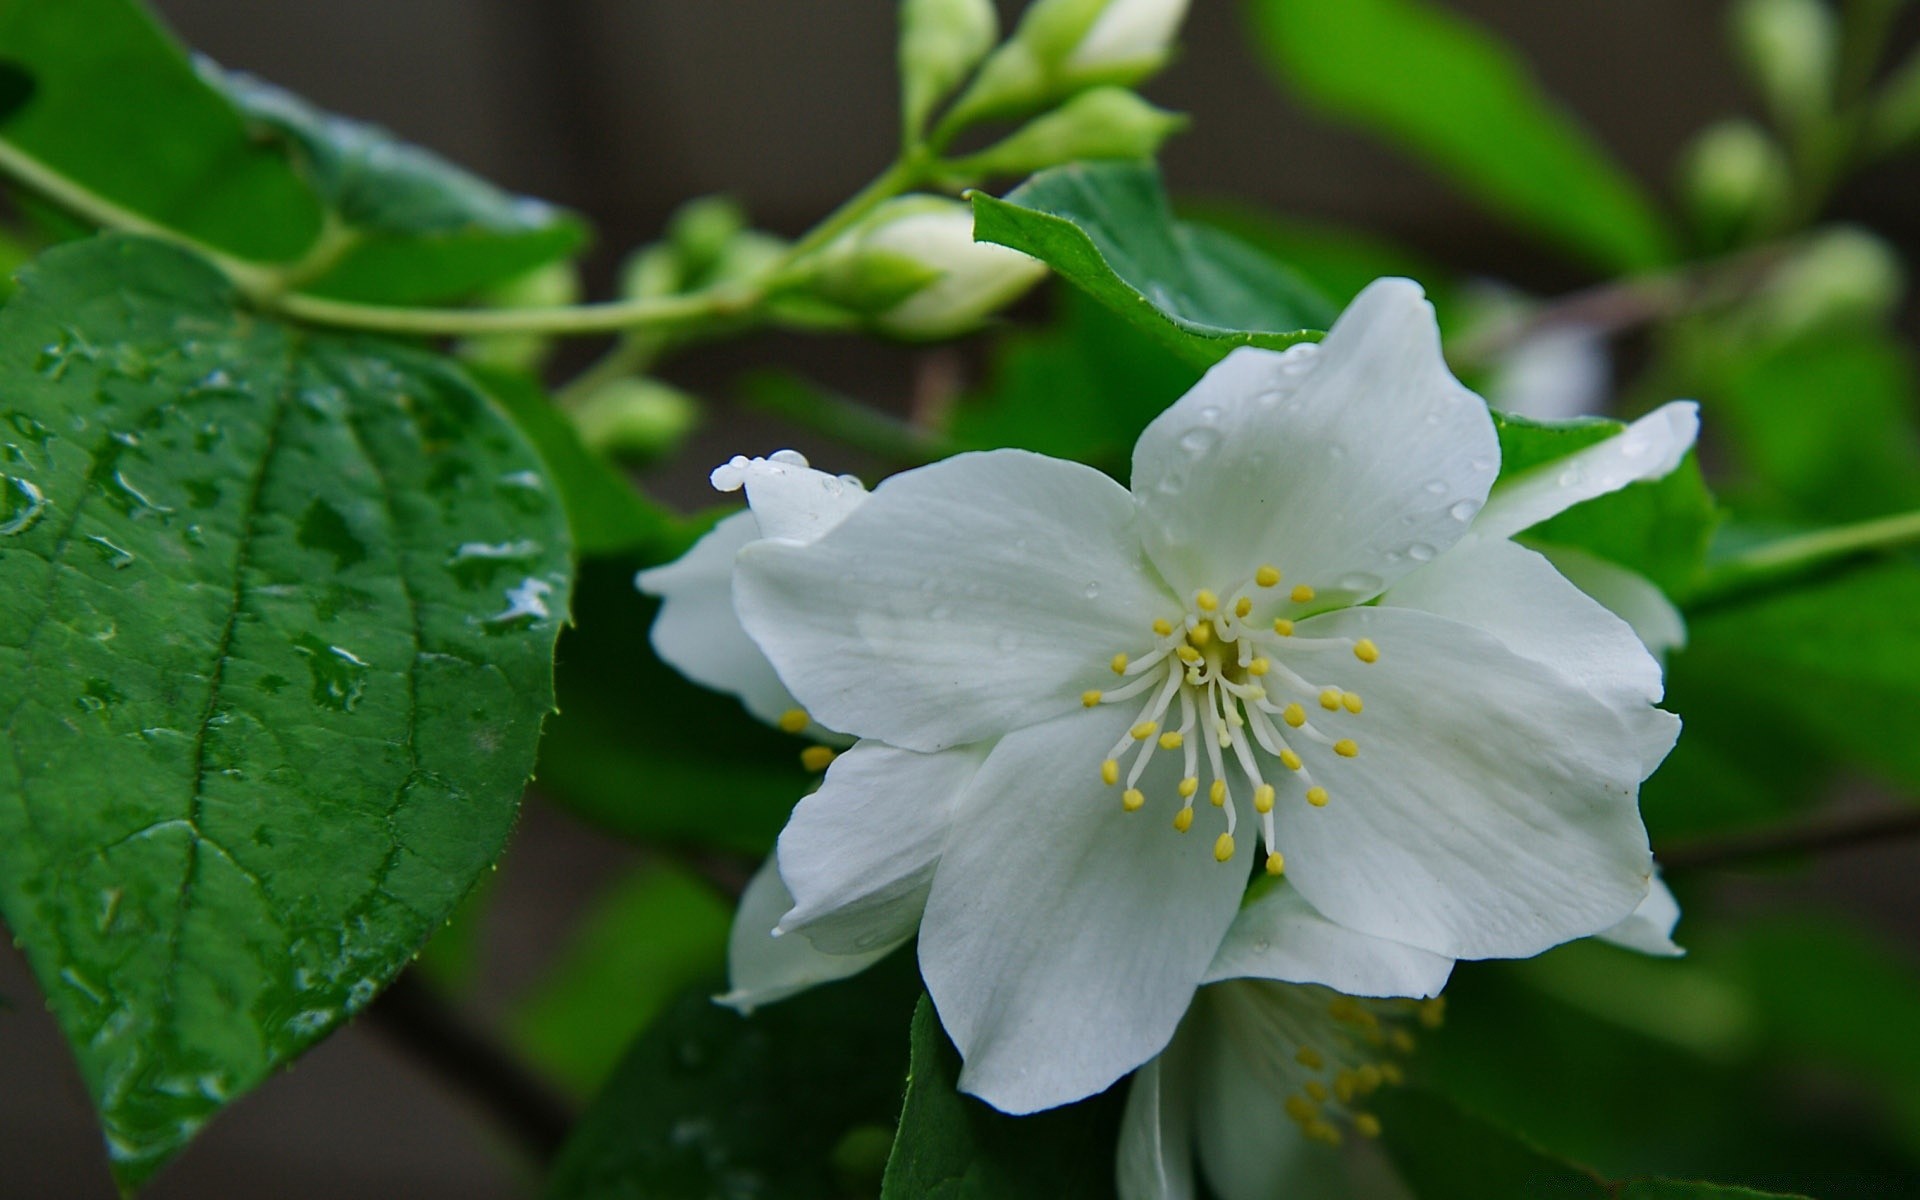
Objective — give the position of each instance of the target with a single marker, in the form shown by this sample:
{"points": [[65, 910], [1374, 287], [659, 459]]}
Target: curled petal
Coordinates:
{"points": [[1647, 449], [762, 968]]}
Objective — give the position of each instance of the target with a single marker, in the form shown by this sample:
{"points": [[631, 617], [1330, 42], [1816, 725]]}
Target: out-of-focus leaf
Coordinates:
{"points": [[1446, 1154], [277, 613], [710, 1104], [650, 937], [953, 1147], [641, 752], [608, 514], [1083, 389], [1336, 259], [1108, 229], [1659, 528], [117, 108], [1456, 97], [417, 228]]}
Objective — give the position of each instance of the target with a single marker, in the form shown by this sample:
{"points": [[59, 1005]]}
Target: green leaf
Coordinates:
{"points": [[640, 752], [1445, 1153], [1659, 527], [1454, 96], [607, 513], [1107, 229], [117, 108], [647, 939], [710, 1104], [1338, 260], [1082, 389], [953, 1147], [419, 229], [1675, 1189], [278, 614]]}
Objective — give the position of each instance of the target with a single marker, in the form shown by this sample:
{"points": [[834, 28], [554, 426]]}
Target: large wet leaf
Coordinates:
{"points": [[1109, 230], [115, 106], [277, 615]]}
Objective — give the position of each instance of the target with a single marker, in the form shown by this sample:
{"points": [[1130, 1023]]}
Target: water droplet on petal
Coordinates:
{"points": [[1197, 442], [1361, 583], [1092, 590], [1420, 552], [1464, 510], [1572, 477], [1435, 487]]}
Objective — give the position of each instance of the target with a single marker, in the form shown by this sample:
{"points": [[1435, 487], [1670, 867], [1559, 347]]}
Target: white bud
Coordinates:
{"points": [[1065, 46], [965, 281], [1130, 37], [1790, 47]]}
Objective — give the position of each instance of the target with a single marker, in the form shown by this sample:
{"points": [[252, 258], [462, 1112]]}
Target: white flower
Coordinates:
{"points": [[1442, 735]]}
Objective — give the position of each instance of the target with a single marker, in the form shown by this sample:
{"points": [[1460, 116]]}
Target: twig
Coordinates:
{"points": [[1812, 837], [421, 1022]]}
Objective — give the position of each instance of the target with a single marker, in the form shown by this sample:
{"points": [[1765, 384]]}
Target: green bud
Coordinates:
{"points": [[1843, 275], [636, 418], [1107, 122], [550, 286], [1790, 48], [1734, 180], [1894, 120], [940, 42], [913, 270], [1064, 46], [700, 231]]}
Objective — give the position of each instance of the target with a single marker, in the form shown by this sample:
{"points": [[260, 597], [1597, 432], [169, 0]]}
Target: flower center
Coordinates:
{"points": [[1224, 663]]}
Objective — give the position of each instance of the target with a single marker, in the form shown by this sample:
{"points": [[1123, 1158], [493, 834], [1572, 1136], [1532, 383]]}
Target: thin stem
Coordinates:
{"points": [[1794, 556], [1813, 837], [613, 316], [424, 1024]]}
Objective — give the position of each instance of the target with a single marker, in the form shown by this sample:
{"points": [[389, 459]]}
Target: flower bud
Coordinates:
{"points": [[914, 271], [1129, 40], [1790, 48], [1734, 180], [940, 41], [1894, 120], [1107, 122], [1843, 275], [635, 418], [550, 286], [1064, 46]]}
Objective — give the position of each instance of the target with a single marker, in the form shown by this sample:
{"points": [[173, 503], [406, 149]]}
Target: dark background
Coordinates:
{"points": [[624, 108]]}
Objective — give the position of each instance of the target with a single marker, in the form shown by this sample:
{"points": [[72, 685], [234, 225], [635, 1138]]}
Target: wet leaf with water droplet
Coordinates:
{"points": [[282, 736]]}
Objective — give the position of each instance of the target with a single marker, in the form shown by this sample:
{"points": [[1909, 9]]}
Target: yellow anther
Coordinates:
{"points": [[795, 720], [1183, 820], [1317, 796], [1163, 627], [1119, 664], [1242, 607], [1368, 1078], [1263, 798], [1309, 1058], [1301, 1109], [1403, 1042], [1090, 697], [1294, 715], [1283, 627], [1366, 1125], [1171, 739], [1188, 655], [1391, 1071], [1201, 633], [1259, 666], [1351, 701], [1205, 600], [1343, 1086], [1290, 759], [1330, 699], [1267, 576], [1217, 792], [1301, 593], [1433, 1013], [1276, 864], [1144, 730], [816, 758], [1366, 651], [1189, 786], [1318, 1090], [1322, 1132], [1133, 800], [1346, 747], [1110, 772], [1223, 847]]}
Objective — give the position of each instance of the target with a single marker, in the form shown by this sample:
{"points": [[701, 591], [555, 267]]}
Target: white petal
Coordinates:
{"points": [[1647, 449], [1517, 596], [1065, 937], [1629, 595], [1345, 464], [1249, 1148], [763, 968], [1154, 1158], [697, 632], [792, 501], [962, 600], [858, 855], [1279, 936], [1128, 32], [1650, 929], [1491, 810]]}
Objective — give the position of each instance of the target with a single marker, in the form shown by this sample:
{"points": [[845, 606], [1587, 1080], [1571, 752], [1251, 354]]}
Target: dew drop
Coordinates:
{"points": [[1092, 590], [1464, 510], [1420, 552], [1210, 415], [1361, 583], [114, 556], [1572, 477], [21, 505], [1435, 487], [1198, 442]]}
